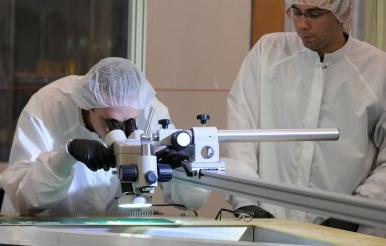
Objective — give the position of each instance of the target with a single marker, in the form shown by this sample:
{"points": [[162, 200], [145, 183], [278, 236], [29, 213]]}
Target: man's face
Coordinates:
{"points": [[98, 117], [323, 34]]}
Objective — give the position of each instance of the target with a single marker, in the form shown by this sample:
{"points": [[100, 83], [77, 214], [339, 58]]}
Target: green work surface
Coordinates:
{"points": [[102, 221]]}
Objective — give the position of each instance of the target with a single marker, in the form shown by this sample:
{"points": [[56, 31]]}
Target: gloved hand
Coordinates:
{"points": [[172, 157], [92, 153], [340, 224], [253, 211]]}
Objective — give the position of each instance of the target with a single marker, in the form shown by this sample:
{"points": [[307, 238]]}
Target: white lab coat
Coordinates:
{"points": [[282, 84], [49, 120]]}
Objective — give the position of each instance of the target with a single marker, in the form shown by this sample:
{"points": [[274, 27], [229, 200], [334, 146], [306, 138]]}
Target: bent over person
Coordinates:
{"points": [[59, 162]]}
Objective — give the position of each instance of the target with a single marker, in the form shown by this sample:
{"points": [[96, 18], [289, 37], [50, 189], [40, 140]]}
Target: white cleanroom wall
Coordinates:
{"points": [[194, 50], [193, 53]]}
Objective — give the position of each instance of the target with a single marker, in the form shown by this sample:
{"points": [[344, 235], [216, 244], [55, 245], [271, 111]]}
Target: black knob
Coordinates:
{"points": [[128, 173], [181, 140], [165, 172], [151, 177], [164, 123], [203, 118]]}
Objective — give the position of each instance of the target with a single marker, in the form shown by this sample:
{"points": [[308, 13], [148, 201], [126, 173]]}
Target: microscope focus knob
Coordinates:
{"points": [[128, 173], [181, 139], [165, 172], [151, 177], [164, 123], [203, 118]]}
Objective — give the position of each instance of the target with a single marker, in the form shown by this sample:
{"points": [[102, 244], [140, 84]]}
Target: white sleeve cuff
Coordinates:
{"points": [[61, 163]]}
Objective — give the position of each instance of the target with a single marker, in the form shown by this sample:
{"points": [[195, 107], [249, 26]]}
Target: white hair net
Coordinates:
{"points": [[113, 82], [340, 8]]}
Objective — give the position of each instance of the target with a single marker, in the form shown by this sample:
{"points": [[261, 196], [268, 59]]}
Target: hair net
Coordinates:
{"points": [[340, 8], [113, 82]]}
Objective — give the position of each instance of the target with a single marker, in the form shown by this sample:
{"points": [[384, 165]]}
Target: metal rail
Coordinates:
{"points": [[321, 202]]}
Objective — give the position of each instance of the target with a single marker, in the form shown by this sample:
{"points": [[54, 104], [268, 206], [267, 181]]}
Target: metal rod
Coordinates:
{"points": [[148, 120], [146, 149], [274, 135]]}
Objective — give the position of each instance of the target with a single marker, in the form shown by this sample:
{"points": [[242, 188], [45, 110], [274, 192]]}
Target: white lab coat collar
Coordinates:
{"points": [[329, 57]]}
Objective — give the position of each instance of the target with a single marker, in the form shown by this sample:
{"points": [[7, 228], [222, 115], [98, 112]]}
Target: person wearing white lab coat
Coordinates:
{"points": [[58, 162], [318, 77]]}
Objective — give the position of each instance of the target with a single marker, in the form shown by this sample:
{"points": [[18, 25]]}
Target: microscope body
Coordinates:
{"points": [[136, 166], [136, 161]]}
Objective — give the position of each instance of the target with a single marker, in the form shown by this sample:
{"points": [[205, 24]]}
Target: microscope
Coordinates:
{"points": [[136, 161], [136, 165]]}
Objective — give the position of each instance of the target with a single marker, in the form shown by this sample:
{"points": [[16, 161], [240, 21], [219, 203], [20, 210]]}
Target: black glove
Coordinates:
{"points": [[172, 157], [340, 224], [253, 211], [92, 153]]}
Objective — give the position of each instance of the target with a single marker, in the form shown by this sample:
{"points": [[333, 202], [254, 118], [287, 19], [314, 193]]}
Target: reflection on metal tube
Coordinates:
{"points": [[275, 135], [148, 121]]}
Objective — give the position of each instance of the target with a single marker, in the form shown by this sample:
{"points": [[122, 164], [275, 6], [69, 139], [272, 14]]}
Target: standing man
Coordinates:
{"points": [[317, 77]]}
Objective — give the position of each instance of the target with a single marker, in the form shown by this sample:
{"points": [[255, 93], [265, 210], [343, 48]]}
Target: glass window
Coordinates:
{"points": [[43, 40]]}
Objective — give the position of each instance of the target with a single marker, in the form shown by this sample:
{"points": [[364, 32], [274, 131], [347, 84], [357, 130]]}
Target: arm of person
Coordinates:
{"points": [[374, 186], [39, 175]]}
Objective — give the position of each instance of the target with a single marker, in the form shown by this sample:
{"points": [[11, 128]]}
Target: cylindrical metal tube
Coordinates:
{"points": [[146, 149], [277, 135], [148, 120]]}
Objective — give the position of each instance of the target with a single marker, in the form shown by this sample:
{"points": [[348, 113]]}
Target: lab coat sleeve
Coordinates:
{"points": [[243, 113], [374, 186], [38, 177]]}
